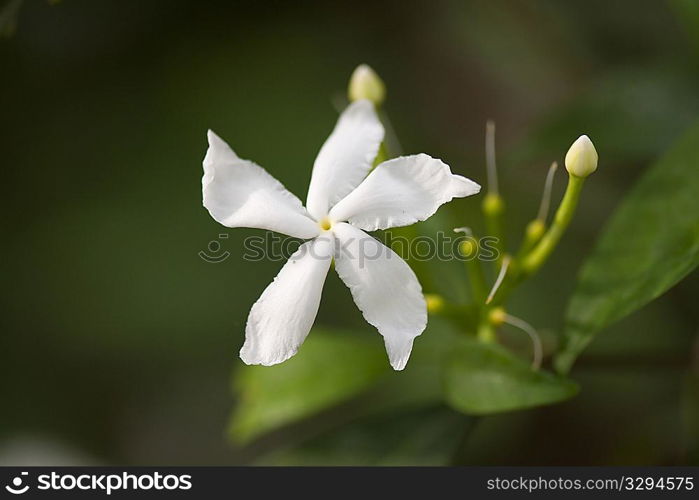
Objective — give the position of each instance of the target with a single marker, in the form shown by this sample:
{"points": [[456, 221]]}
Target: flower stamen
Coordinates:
{"points": [[491, 168], [501, 276], [546, 197], [533, 335]]}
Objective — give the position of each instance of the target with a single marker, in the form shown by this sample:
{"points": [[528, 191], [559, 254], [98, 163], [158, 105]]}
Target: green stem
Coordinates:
{"points": [[464, 317], [486, 332], [477, 279], [531, 262], [532, 235], [493, 209], [381, 156], [479, 289], [536, 258]]}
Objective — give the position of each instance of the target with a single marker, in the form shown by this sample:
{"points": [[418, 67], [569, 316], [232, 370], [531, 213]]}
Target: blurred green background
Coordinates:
{"points": [[118, 341]]}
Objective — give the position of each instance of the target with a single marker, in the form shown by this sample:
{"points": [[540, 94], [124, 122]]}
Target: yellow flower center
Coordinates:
{"points": [[325, 224]]}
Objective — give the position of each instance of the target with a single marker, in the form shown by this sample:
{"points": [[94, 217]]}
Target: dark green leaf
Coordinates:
{"points": [[329, 368], [332, 368], [651, 243], [486, 378], [687, 13], [427, 437]]}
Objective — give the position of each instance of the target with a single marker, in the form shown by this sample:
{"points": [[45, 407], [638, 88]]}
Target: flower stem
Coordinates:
{"points": [[493, 204], [536, 258], [530, 263], [477, 279], [381, 156], [532, 234], [469, 249], [493, 210], [486, 332]]}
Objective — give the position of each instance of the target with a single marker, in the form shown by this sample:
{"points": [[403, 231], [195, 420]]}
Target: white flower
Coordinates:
{"points": [[343, 202], [581, 158]]}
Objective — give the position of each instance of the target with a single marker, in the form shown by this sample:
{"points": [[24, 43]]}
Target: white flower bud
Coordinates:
{"points": [[581, 159], [366, 84]]}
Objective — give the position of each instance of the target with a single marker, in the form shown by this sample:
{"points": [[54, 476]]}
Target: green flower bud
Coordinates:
{"points": [[497, 316], [468, 248], [435, 303], [535, 230], [581, 159], [493, 205], [366, 84]]}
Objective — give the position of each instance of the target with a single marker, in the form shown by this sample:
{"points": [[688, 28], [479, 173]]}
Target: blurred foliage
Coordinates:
{"points": [[330, 369], [486, 378], [688, 16], [428, 436], [661, 102], [118, 340], [8, 17], [339, 367], [650, 244], [690, 414]]}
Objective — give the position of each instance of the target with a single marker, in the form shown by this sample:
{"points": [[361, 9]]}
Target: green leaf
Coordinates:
{"points": [[333, 368], [650, 244], [426, 437], [329, 368], [687, 14], [484, 378]]}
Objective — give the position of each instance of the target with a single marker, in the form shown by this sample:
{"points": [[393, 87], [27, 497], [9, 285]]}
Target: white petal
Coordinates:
{"points": [[384, 288], [402, 191], [239, 193], [345, 158], [283, 315]]}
